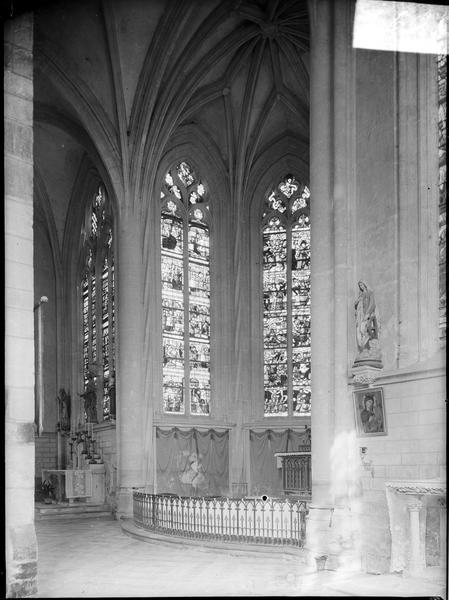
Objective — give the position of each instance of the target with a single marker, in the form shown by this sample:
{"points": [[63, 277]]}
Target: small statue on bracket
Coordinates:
{"points": [[367, 328], [64, 407]]}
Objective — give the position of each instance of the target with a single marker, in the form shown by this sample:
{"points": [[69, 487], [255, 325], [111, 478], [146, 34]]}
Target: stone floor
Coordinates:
{"points": [[93, 558]]}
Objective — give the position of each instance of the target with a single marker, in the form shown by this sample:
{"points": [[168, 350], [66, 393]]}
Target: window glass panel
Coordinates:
{"points": [[275, 318], [93, 299], [86, 329], [105, 335], [199, 319], [172, 271], [185, 174], [171, 235]]}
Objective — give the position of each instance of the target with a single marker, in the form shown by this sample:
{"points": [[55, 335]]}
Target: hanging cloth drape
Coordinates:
{"points": [[266, 478], [192, 462]]}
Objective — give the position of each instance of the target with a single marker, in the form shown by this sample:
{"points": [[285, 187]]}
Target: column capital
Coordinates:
{"points": [[414, 503]]}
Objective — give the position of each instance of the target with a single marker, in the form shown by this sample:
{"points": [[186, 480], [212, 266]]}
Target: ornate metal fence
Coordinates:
{"points": [[251, 520]]}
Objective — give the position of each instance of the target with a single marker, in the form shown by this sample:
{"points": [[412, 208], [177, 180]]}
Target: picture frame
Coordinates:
{"points": [[369, 412]]}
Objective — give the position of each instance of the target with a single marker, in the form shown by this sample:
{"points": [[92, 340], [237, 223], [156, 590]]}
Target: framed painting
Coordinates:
{"points": [[369, 409]]}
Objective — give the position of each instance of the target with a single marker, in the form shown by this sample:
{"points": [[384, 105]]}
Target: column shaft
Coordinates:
{"points": [[130, 396], [416, 552], [322, 293], [21, 546]]}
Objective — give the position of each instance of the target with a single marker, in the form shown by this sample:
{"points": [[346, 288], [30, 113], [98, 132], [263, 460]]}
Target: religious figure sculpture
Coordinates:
{"points": [[64, 402], [367, 328], [90, 400], [112, 409]]}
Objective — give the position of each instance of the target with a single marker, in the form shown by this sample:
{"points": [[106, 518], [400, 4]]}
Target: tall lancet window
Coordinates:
{"points": [[185, 270], [286, 299], [97, 301]]}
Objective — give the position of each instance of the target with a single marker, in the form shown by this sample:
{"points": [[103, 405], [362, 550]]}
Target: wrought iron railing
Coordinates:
{"points": [[252, 520]]}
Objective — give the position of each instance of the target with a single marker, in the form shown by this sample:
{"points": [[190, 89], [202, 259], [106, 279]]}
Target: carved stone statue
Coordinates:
{"points": [[64, 402], [367, 327], [112, 395], [90, 400]]}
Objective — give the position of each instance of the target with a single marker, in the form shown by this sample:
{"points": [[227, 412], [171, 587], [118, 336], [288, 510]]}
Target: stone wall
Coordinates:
{"points": [[413, 449], [45, 457]]}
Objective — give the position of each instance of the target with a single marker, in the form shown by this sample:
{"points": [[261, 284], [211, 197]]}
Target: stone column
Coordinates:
{"points": [[418, 208], [443, 531], [131, 408], [21, 546], [332, 152], [322, 292], [332, 188], [417, 555]]}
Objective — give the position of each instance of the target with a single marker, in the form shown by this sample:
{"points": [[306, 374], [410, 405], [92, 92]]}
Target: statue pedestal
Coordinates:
{"points": [[366, 374], [332, 538]]}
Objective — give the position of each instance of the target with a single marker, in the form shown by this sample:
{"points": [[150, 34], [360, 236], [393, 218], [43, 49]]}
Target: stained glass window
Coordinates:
{"points": [[286, 299], [185, 293], [442, 95], [97, 302]]}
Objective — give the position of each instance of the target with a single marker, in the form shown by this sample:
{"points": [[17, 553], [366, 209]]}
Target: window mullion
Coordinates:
{"points": [[289, 321], [186, 318]]}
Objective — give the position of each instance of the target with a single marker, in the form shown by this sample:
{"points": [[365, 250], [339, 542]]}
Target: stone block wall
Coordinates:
{"points": [[413, 449], [46, 452], [45, 458]]}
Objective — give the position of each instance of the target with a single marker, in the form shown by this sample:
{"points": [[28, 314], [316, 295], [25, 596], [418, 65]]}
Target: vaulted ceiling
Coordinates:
{"points": [[121, 77]]}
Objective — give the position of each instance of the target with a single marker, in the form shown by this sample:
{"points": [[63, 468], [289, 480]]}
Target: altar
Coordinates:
{"points": [[87, 485], [408, 503]]}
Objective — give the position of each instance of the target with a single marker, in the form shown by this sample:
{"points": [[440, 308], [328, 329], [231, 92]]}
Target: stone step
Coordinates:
{"points": [[70, 517], [71, 511]]}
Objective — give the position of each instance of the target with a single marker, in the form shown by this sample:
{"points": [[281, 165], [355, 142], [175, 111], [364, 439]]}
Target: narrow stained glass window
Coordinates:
{"points": [[286, 299], [97, 301], [185, 293]]}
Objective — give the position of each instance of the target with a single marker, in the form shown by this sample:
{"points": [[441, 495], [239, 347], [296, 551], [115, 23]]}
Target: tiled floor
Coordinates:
{"points": [[93, 558]]}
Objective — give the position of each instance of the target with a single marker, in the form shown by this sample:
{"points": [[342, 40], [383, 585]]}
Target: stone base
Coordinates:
{"points": [[21, 561], [366, 372], [125, 502], [331, 535]]}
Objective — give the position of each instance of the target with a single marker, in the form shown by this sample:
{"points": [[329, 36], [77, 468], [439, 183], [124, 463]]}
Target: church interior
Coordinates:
{"points": [[225, 305]]}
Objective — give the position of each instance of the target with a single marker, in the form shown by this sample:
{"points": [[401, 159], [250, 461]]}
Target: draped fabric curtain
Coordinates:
{"points": [[266, 478], [192, 462]]}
